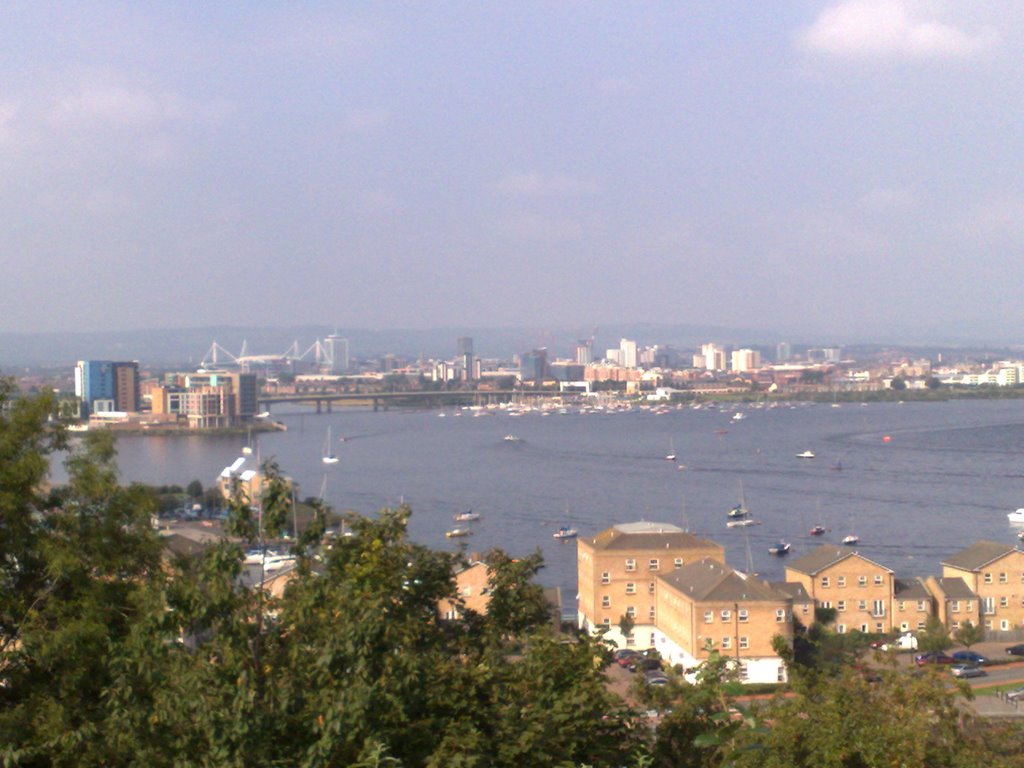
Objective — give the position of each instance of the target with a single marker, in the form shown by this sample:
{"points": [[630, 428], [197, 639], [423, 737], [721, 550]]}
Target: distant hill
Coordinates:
{"points": [[189, 345]]}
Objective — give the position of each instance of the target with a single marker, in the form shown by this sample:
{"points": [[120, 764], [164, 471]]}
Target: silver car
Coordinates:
{"points": [[967, 670]]}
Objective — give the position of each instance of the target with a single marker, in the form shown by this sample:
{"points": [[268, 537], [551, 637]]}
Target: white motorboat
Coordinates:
{"points": [[671, 455], [741, 523], [458, 533], [466, 517], [565, 532], [805, 455], [1017, 516], [851, 540], [780, 549]]}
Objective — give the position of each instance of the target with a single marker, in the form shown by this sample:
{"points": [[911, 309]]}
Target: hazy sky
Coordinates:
{"points": [[848, 168]]}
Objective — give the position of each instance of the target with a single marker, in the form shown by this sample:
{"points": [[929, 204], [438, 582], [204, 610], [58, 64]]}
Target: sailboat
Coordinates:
{"points": [[671, 455], [740, 510], [247, 448], [329, 457]]}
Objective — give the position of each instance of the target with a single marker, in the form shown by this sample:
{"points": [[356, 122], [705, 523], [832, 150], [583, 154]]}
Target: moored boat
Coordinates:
{"points": [[741, 523], [851, 540], [565, 532], [1017, 516], [457, 533], [780, 549], [817, 530], [466, 517], [805, 455]]}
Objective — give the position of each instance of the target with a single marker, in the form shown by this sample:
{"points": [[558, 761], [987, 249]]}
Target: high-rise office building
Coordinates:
{"points": [[464, 346], [627, 353], [337, 353], [585, 352], [783, 352], [103, 385], [714, 357], [533, 367], [745, 360]]}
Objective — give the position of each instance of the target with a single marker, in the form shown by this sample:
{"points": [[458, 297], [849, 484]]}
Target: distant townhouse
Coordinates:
{"points": [[955, 602], [618, 570], [860, 590], [913, 604], [707, 606], [472, 583], [995, 573]]}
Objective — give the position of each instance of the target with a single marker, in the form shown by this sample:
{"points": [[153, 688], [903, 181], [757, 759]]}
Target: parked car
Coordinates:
{"points": [[655, 677], [933, 657], [640, 664], [623, 656], [1016, 650], [905, 642], [970, 657], [967, 670]]}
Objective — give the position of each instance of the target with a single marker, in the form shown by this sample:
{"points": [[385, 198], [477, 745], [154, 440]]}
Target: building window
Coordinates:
{"points": [[878, 608], [862, 605], [988, 624], [709, 617], [780, 614], [879, 627], [631, 565], [878, 579], [726, 615], [1002, 578], [824, 582], [826, 603], [652, 640], [744, 643], [840, 581], [841, 605], [954, 606], [631, 611], [780, 674], [744, 673], [1004, 625], [922, 605], [901, 606], [863, 627], [988, 606], [841, 629], [650, 587], [679, 563], [726, 643], [606, 601], [606, 578], [653, 564], [650, 614], [741, 614], [630, 588], [955, 625], [862, 581], [970, 606], [631, 640], [1004, 602], [904, 627], [988, 578], [607, 622]]}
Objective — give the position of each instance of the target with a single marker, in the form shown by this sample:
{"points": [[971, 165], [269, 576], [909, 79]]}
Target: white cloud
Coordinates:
{"points": [[534, 184], [871, 28], [131, 107], [997, 217], [888, 199]]}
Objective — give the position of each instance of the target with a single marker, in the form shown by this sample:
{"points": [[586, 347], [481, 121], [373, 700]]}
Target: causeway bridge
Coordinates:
{"points": [[324, 401]]}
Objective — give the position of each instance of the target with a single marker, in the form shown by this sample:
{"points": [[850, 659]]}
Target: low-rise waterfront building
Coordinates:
{"points": [[955, 603], [995, 573], [858, 589], [707, 606], [618, 570]]}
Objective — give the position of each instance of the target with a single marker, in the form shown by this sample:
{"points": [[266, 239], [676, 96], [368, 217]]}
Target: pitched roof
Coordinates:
{"points": [[792, 588], [912, 589], [709, 580], [652, 536], [955, 588], [826, 556], [979, 555], [183, 545]]}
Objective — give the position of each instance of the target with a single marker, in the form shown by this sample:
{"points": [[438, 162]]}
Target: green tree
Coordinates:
{"points": [[194, 489], [935, 636], [968, 634], [898, 383]]}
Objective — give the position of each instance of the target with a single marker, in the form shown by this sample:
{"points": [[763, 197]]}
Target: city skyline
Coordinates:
{"points": [[841, 169]]}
